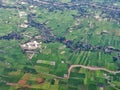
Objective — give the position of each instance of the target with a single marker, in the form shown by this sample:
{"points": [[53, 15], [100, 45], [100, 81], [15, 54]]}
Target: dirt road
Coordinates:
{"points": [[90, 68]]}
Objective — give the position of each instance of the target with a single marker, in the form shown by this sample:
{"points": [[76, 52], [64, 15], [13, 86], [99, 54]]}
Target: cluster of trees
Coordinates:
{"points": [[46, 34], [29, 70], [82, 46], [13, 35]]}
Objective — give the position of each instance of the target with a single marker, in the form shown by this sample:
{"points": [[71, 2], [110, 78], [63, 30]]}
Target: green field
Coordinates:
{"points": [[56, 34]]}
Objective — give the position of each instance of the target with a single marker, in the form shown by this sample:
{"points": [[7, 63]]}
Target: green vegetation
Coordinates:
{"points": [[41, 41]]}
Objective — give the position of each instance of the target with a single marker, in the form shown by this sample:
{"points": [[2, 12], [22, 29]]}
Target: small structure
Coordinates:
{"points": [[22, 13], [38, 37], [107, 50], [111, 47], [22, 82], [62, 62], [65, 75], [104, 32], [101, 88], [33, 45], [52, 63], [23, 25], [62, 52], [22, 3], [39, 61], [40, 80], [97, 17]]}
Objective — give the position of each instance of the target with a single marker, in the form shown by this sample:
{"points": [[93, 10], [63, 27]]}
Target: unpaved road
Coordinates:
{"points": [[90, 68]]}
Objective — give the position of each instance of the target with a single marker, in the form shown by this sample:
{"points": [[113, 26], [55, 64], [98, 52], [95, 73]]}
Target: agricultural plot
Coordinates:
{"points": [[59, 45]]}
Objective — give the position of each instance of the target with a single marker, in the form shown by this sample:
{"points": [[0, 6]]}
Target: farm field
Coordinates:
{"points": [[59, 45]]}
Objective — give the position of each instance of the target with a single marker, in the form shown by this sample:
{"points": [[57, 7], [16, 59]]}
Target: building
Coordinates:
{"points": [[32, 45]]}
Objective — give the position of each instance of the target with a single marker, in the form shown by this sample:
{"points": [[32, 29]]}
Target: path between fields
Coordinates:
{"points": [[90, 68]]}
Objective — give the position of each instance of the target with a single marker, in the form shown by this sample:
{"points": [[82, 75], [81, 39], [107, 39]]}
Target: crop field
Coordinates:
{"points": [[59, 45]]}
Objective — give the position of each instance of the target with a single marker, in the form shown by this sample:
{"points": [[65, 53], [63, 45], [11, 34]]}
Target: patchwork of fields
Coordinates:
{"points": [[59, 45]]}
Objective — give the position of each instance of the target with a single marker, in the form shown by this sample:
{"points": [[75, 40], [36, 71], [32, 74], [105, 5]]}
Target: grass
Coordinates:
{"points": [[8, 21]]}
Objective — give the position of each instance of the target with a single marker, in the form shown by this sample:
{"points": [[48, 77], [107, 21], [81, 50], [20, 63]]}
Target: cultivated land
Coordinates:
{"points": [[59, 45]]}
